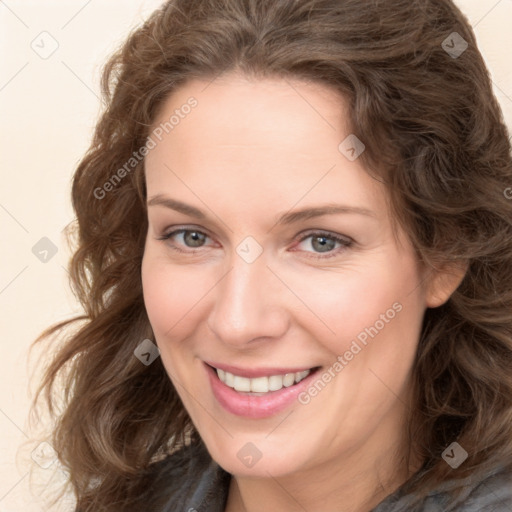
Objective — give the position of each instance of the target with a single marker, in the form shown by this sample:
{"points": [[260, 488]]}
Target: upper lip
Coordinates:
{"points": [[257, 372]]}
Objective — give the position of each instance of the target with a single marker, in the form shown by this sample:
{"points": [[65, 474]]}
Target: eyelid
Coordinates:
{"points": [[322, 232], [176, 230]]}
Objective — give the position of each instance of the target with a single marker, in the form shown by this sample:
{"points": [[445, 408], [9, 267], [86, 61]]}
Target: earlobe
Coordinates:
{"points": [[443, 282]]}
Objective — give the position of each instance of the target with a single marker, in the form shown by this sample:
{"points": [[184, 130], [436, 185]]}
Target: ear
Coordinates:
{"points": [[443, 282]]}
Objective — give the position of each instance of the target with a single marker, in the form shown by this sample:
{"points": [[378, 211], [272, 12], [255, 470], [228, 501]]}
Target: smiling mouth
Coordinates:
{"points": [[261, 385]]}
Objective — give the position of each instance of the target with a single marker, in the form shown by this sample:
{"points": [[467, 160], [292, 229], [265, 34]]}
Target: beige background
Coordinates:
{"points": [[48, 108]]}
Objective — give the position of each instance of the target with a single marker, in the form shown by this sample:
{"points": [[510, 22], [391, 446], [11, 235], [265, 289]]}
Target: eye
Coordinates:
{"points": [[191, 238], [322, 242]]}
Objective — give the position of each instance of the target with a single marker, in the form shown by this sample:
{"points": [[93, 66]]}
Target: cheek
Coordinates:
{"points": [[174, 296], [168, 298], [362, 303]]}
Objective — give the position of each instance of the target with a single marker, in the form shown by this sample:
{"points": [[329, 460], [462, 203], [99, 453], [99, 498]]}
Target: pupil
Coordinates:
{"points": [[325, 244], [194, 237]]}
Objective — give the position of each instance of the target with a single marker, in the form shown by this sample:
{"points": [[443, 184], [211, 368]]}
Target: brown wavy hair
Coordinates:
{"points": [[434, 134]]}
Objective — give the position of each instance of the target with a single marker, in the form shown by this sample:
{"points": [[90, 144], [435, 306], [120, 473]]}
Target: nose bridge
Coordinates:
{"points": [[245, 308]]}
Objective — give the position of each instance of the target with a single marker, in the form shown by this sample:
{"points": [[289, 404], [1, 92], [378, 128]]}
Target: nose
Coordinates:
{"points": [[249, 304]]}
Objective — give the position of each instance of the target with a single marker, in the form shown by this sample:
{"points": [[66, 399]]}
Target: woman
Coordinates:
{"points": [[293, 252]]}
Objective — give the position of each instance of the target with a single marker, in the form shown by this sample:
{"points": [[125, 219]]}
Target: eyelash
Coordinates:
{"points": [[345, 242]]}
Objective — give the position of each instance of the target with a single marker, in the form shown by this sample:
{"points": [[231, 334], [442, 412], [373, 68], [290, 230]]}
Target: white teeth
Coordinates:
{"points": [[275, 383], [242, 383], [261, 384], [301, 375], [229, 379], [288, 380]]}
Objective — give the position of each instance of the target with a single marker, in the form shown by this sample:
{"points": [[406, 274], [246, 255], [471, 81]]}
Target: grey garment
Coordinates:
{"points": [[492, 492], [190, 481], [186, 481]]}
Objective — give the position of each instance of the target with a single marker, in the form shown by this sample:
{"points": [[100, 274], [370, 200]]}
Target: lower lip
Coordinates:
{"points": [[255, 406]]}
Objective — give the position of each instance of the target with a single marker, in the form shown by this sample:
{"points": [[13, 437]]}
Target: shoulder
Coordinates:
{"points": [[187, 479], [491, 492]]}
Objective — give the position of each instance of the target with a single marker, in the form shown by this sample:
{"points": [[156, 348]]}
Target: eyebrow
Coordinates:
{"points": [[289, 217]]}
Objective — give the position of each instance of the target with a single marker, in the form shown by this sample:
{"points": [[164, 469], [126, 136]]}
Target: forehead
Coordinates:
{"points": [[275, 137], [233, 109]]}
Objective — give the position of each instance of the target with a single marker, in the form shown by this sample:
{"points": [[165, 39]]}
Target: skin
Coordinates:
{"points": [[249, 151]]}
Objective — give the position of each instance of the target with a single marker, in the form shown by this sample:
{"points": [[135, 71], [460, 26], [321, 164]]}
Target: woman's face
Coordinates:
{"points": [[260, 281]]}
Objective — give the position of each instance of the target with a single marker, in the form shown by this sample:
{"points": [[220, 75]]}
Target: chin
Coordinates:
{"points": [[253, 456]]}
